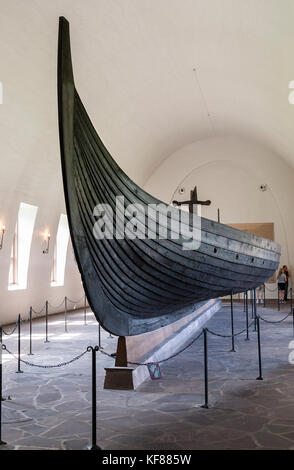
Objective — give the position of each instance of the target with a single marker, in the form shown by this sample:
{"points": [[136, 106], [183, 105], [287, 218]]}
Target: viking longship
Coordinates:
{"points": [[136, 285]]}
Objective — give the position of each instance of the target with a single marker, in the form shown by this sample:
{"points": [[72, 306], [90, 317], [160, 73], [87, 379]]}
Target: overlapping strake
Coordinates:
{"points": [[135, 286]]}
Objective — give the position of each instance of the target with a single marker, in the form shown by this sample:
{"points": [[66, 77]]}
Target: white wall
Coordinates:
{"points": [[49, 200], [228, 171]]}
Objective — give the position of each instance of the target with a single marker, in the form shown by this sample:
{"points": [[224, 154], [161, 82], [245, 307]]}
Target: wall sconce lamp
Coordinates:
{"points": [[2, 231], [47, 239]]}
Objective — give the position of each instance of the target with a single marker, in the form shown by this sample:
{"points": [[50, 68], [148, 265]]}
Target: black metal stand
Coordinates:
{"points": [[31, 331], [1, 441], [254, 309], [205, 368], [65, 315], [85, 311], [247, 318], [46, 321], [252, 306], [99, 336], [19, 371], [232, 325], [278, 300], [94, 445], [263, 295], [259, 350]]}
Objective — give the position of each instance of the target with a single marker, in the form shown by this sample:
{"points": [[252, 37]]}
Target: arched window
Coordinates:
{"points": [[60, 252], [21, 246]]}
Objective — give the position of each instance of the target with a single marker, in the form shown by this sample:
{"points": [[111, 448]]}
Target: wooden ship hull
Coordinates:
{"points": [[137, 285]]}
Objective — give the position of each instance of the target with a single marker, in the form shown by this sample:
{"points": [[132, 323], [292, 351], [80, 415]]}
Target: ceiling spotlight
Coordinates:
{"points": [[181, 191], [262, 187]]}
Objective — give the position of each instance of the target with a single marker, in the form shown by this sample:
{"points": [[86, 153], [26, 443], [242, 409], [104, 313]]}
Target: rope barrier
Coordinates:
{"points": [[49, 366]]}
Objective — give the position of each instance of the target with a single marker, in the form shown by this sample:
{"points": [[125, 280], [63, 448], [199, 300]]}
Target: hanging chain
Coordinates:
{"points": [[49, 366], [11, 332], [230, 336], [56, 306], [277, 321], [162, 360]]}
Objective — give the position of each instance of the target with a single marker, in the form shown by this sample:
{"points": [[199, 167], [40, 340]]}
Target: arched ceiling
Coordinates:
{"points": [[154, 76]]}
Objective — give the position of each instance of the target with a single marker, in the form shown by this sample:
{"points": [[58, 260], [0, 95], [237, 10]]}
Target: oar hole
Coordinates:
{"points": [[215, 250]]}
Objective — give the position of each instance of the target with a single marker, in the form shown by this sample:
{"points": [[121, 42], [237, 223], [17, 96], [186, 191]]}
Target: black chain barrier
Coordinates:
{"points": [[46, 310], [36, 312], [42, 366], [94, 350], [229, 336], [56, 307], [75, 301], [276, 321], [271, 290], [11, 332], [113, 356]]}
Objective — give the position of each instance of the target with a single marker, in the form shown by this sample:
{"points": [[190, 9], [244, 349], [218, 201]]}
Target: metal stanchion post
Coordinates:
{"points": [[263, 295], [94, 445], [291, 299], [259, 350], [99, 336], [19, 371], [205, 368], [31, 330], [254, 300], [252, 306], [278, 300], [247, 319], [65, 315], [244, 303], [232, 325], [46, 322], [1, 442], [85, 310], [293, 320]]}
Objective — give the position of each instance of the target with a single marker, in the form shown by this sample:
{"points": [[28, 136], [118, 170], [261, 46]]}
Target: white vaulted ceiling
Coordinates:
{"points": [[133, 64]]}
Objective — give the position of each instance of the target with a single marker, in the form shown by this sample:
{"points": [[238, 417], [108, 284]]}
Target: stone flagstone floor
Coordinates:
{"points": [[51, 408]]}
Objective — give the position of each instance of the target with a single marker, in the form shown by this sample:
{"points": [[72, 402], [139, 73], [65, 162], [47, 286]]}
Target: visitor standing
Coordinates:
{"points": [[286, 271], [281, 285]]}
